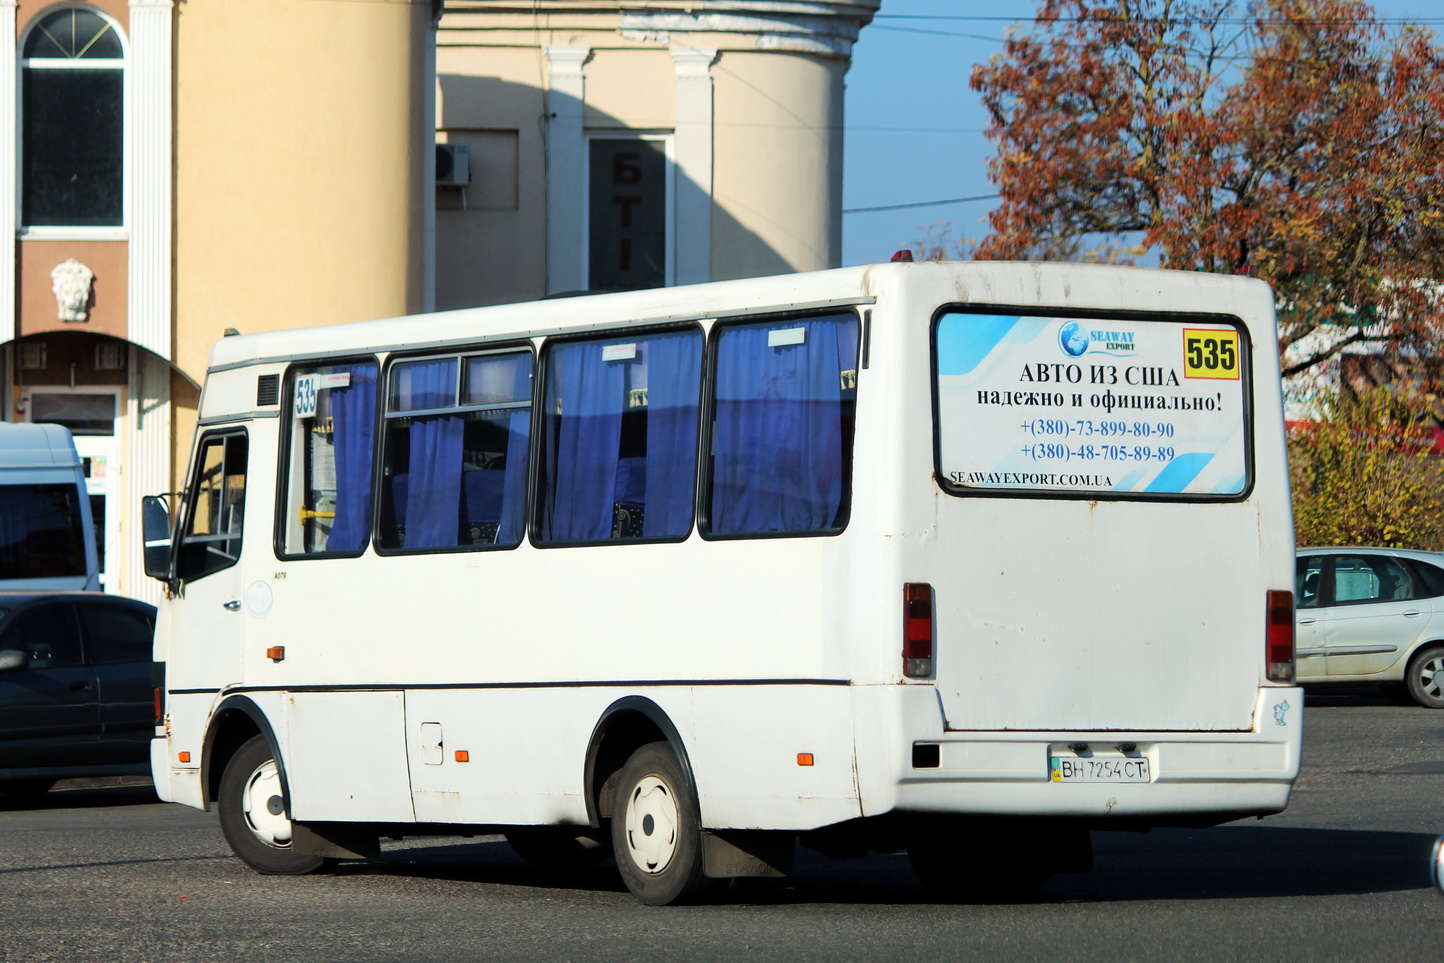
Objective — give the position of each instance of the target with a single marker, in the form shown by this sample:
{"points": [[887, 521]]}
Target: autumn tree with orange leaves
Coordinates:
{"points": [[1296, 140]]}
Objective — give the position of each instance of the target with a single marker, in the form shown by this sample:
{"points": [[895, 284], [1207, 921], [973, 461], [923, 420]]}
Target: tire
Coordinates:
{"points": [[977, 862], [26, 790], [253, 814], [1425, 677], [564, 851], [656, 830]]}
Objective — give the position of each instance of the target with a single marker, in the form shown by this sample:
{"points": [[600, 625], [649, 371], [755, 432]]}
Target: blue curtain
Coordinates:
{"points": [[673, 384], [353, 425], [778, 437], [517, 445], [433, 509], [583, 427]]}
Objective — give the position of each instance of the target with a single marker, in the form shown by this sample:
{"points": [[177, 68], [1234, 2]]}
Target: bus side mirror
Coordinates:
{"points": [[155, 521]]}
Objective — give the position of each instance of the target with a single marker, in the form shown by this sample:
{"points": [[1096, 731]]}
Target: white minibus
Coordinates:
{"points": [[962, 559]]}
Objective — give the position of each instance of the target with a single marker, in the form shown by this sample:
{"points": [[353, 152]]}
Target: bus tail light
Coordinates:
{"points": [[917, 630], [1279, 638]]}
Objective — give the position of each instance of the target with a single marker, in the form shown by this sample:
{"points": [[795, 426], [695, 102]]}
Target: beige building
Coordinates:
{"points": [[181, 169], [614, 145]]}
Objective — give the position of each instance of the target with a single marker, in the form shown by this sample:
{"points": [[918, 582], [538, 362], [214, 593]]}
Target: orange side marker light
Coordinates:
{"points": [[463, 756], [184, 757], [804, 758]]}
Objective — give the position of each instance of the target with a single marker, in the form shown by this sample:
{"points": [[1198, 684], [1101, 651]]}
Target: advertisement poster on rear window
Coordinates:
{"points": [[1079, 405]]}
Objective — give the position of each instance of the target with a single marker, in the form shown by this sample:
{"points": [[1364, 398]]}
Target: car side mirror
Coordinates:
{"points": [[11, 659], [155, 525]]}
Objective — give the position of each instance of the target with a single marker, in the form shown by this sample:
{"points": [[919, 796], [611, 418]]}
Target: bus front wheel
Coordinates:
{"points": [[253, 811], [656, 829]]}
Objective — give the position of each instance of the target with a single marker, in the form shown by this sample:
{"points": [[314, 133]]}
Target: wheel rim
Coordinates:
{"points": [[1431, 677], [263, 805], [651, 822]]}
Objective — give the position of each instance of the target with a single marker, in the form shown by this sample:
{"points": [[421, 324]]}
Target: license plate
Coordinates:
{"points": [[1098, 769]]}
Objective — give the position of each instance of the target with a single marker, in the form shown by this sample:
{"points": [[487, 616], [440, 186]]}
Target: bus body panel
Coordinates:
{"points": [[1059, 620], [1074, 613], [996, 772]]}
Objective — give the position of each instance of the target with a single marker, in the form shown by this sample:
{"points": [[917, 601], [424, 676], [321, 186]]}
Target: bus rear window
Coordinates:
{"points": [[1092, 406]]}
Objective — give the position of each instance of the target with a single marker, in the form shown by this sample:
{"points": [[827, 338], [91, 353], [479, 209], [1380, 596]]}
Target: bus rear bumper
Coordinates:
{"points": [[1149, 776]]}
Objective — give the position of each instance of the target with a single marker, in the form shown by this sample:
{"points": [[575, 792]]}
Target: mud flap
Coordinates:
{"points": [[335, 840], [746, 852]]}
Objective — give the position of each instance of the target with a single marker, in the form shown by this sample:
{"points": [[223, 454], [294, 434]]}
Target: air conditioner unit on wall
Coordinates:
{"points": [[453, 165]]}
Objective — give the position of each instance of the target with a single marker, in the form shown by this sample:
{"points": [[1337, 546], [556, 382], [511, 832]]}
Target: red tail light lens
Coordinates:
{"points": [[917, 630], [1280, 637]]}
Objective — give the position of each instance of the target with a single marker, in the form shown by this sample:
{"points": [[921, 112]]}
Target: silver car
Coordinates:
{"points": [[1372, 616]]}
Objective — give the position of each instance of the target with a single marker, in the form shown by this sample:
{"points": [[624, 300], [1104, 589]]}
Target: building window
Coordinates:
{"points": [[72, 143], [628, 192]]}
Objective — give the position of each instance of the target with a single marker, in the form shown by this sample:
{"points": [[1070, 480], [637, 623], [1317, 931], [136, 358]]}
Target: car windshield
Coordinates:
{"points": [[41, 534]]}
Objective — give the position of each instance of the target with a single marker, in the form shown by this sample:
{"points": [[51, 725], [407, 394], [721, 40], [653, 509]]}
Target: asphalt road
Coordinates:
{"points": [[110, 874]]}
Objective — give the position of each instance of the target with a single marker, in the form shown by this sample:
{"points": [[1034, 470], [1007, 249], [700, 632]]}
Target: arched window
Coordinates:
{"points": [[72, 126]]}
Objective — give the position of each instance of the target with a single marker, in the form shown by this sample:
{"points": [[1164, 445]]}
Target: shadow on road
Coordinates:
{"points": [[1225, 863], [88, 797], [1369, 695]]}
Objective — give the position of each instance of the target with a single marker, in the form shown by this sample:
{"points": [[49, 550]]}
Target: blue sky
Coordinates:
{"points": [[915, 130]]}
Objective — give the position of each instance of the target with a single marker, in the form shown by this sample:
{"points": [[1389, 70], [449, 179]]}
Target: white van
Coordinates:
{"points": [[47, 539]]}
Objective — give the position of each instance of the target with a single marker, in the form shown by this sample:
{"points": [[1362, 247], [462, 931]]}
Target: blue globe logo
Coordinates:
{"points": [[1073, 339]]}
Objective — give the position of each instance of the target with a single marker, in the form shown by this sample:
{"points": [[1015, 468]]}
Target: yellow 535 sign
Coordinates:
{"points": [[1210, 354]]}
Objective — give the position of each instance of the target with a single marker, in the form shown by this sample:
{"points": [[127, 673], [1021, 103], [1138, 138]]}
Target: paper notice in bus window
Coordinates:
{"points": [[1074, 405]]}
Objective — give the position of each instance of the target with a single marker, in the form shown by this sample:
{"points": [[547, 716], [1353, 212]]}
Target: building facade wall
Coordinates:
{"points": [[277, 161], [299, 166], [746, 99]]}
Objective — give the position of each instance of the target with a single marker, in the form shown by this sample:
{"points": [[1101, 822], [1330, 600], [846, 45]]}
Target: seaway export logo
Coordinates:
{"points": [[1076, 340]]}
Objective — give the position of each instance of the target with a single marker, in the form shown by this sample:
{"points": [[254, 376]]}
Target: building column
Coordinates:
{"points": [[148, 181], [692, 152], [9, 176], [147, 463], [566, 159]]}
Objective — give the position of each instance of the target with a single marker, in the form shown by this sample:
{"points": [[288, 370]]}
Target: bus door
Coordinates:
{"points": [[209, 580]]}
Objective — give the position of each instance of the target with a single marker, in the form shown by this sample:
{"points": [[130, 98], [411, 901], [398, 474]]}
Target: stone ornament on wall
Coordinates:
{"points": [[71, 283]]}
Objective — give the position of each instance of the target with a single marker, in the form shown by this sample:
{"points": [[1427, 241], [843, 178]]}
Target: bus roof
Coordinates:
{"points": [[1067, 285]]}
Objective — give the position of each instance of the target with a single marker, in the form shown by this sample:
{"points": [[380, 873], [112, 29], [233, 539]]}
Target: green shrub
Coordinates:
{"points": [[1364, 472]]}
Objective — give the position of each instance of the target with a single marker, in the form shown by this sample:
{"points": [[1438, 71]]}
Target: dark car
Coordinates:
{"points": [[76, 693]]}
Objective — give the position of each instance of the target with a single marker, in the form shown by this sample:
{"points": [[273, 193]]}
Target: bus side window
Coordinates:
{"points": [[620, 423], [782, 425], [455, 452], [332, 450], [214, 518]]}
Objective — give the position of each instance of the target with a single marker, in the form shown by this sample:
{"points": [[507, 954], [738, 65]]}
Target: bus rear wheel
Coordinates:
{"points": [[656, 829], [253, 810]]}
